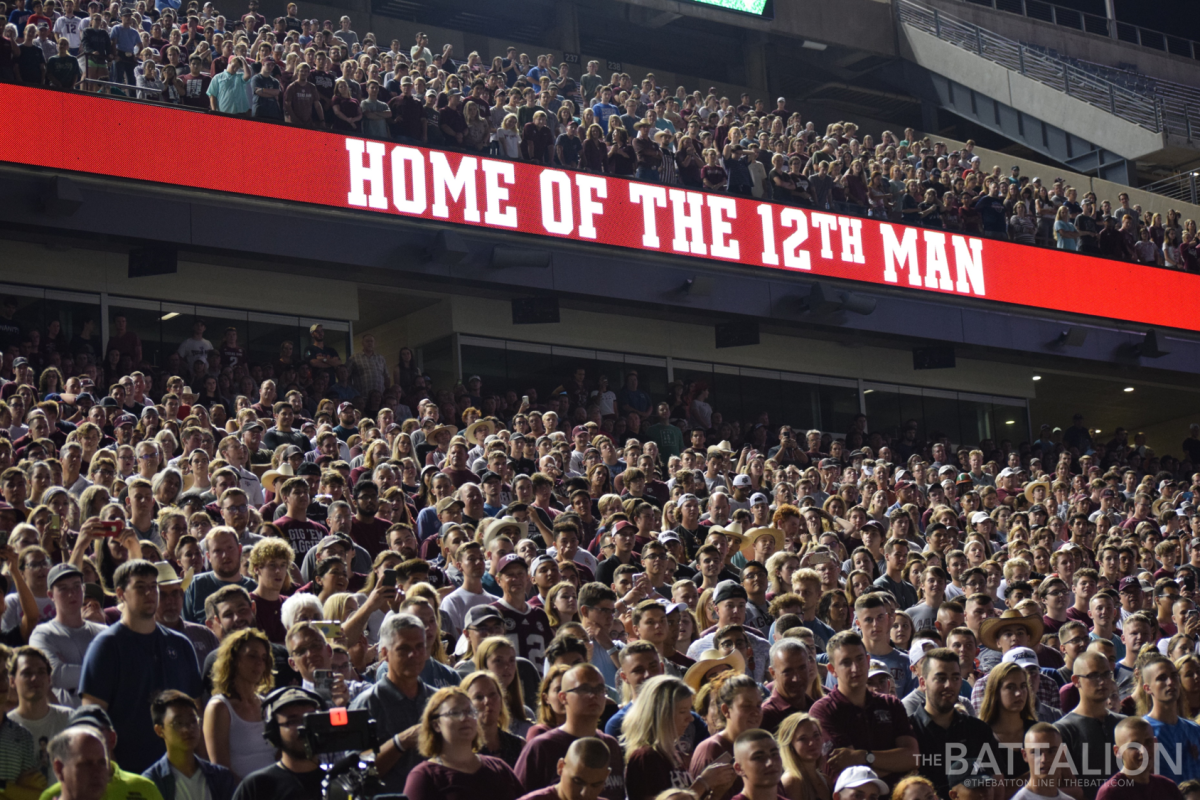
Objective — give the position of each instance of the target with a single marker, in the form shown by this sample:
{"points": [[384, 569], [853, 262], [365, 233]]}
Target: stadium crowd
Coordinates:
{"points": [[317, 74], [532, 600]]}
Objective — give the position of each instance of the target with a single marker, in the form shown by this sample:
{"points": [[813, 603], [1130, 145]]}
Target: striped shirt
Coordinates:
{"points": [[17, 754]]}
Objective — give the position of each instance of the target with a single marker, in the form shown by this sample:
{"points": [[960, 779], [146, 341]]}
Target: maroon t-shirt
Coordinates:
{"points": [[370, 535], [874, 726], [648, 772], [1076, 615], [1119, 787], [538, 764], [494, 780], [269, 617], [777, 708], [302, 535], [709, 751]]}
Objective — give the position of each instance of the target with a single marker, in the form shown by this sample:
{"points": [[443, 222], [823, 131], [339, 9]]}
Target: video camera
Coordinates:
{"points": [[349, 732]]}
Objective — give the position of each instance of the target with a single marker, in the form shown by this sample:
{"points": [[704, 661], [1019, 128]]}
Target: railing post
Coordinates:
{"points": [[1192, 186], [979, 40], [1067, 78], [937, 24], [1187, 122], [1053, 14], [1158, 117], [1024, 9], [1112, 98], [1021, 57]]}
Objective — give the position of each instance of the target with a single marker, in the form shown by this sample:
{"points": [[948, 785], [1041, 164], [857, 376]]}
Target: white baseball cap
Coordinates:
{"points": [[853, 777]]}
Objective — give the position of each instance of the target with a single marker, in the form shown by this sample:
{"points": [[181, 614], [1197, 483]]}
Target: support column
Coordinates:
{"points": [[566, 24], [755, 50], [1110, 11]]}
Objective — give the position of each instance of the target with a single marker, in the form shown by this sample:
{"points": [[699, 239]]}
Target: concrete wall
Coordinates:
{"points": [[1076, 44], [194, 283], [1031, 97], [648, 335]]}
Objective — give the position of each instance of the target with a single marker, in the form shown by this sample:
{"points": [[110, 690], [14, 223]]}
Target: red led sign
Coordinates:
{"points": [[84, 133]]}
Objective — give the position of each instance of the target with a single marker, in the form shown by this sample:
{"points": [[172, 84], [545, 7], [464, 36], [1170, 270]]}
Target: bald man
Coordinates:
{"points": [[1136, 748], [1088, 730], [582, 772]]}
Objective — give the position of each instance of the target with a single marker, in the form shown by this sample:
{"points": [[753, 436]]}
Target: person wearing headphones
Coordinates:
{"points": [[296, 775]]}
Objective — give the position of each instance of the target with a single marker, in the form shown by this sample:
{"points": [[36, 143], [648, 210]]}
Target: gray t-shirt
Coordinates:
{"points": [[65, 647], [1089, 742], [923, 617]]}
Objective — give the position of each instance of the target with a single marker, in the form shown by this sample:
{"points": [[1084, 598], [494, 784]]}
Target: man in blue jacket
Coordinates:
{"points": [[177, 721]]}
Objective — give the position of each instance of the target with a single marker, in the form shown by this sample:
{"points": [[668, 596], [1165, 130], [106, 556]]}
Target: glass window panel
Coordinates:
{"points": [[490, 364], [759, 396], [800, 402], [976, 421], [275, 344], [942, 417], [146, 325], [838, 406], [1011, 423], [883, 411]]}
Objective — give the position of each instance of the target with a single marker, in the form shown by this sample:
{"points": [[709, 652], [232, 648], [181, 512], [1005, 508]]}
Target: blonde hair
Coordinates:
{"points": [[545, 712], [335, 606], [514, 697], [651, 720], [787, 732], [483, 674]]}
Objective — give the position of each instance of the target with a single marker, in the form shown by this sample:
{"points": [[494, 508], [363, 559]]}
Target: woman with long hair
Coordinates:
{"points": [[486, 696], [562, 604], [550, 712], [450, 739], [780, 568], [497, 655], [1189, 685], [233, 722], [1009, 708], [650, 735], [801, 746], [834, 609]]}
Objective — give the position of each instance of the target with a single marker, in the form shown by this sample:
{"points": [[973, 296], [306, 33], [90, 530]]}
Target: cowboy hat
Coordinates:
{"points": [[1045, 484], [167, 576], [474, 427], [709, 661], [991, 627], [272, 476], [732, 532], [754, 534], [449, 430]]}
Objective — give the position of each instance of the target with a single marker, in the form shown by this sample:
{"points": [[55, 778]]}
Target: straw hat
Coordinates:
{"points": [[990, 627], [273, 476], [757, 533], [712, 661]]}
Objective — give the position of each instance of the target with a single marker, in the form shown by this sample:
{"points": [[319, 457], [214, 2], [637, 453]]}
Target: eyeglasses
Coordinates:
{"points": [[1096, 677], [458, 716], [587, 689]]}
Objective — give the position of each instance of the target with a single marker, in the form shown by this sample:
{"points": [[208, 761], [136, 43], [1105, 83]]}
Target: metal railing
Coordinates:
{"points": [[1184, 186], [1096, 25], [1078, 83]]}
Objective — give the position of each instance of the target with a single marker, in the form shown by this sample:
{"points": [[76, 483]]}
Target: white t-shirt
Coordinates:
{"points": [[607, 401], [12, 611], [456, 605], [55, 722], [193, 350], [70, 27], [193, 788]]}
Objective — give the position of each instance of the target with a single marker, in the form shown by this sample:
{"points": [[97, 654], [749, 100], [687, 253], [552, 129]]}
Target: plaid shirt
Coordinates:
{"points": [[368, 373]]}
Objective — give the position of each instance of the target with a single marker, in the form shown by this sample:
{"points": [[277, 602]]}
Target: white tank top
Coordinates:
{"points": [[248, 751]]}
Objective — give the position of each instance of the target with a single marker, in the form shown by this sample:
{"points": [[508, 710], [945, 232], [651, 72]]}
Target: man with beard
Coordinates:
{"points": [[367, 530], [225, 557], [132, 661], [939, 726]]}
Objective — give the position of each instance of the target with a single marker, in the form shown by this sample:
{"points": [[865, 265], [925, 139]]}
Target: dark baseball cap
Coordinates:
{"points": [[91, 715], [729, 590]]}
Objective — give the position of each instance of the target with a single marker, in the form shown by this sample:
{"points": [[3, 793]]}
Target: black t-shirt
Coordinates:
{"points": [[279, 783], [265, 107], [96, 40], [30, 62], [570, 149], [65, 70], [991, 210], [312, 351]]}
